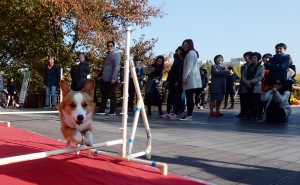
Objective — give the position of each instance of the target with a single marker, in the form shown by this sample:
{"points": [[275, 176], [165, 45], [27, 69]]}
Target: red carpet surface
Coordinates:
{"points": [[70, 168]]}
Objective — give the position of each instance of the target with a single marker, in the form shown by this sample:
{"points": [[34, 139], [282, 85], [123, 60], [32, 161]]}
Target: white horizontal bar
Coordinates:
{"points": [[40, 155], [162, 166], [138, 154], [30, 112]]}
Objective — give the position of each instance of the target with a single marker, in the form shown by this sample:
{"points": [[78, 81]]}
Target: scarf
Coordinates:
{"points": [[251, 71], [50, 66]]}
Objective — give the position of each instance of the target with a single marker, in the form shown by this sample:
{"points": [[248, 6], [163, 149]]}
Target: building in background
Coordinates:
{"points": [[234, 62]]}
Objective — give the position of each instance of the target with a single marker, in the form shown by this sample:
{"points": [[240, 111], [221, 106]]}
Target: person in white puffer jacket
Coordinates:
{"points": [[278, 108]]}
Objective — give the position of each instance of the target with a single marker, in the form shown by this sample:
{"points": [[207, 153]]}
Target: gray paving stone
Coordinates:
{"points": [[276, 175], [223, 150]]}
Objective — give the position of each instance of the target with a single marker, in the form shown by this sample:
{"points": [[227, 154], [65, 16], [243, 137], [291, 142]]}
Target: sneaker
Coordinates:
{"points": [[198, 106], [111, 113], [102, 112], [260, 121], [173, 116], [46, 107], [165, 115], [213, 113], [239, 115], [201, 107], [251, 119], [231, 108], [186, 118], [16, 105], [219, 113]]}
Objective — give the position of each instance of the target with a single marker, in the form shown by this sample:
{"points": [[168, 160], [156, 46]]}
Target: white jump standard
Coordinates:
{"points": [[123, 155]]}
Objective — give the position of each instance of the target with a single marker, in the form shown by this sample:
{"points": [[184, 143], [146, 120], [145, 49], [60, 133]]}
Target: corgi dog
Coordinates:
{"points": [[76, 111]]}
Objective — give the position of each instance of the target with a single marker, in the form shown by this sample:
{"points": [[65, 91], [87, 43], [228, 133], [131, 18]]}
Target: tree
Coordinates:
{"points": [[31, 30]]}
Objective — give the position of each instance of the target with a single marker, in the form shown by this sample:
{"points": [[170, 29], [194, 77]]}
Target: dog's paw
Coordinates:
{"points": [[77, 138], [71, 143], [88, 139]]}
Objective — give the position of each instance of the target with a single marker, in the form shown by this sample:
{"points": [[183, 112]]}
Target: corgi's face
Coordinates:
{"points": [[77, 107]]}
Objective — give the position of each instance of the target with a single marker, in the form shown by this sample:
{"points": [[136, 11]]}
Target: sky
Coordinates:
{"points": [[226, 27]]}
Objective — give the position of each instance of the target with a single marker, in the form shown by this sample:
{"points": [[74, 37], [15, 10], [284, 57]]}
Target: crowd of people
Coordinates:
{"points": [[264, 88]]}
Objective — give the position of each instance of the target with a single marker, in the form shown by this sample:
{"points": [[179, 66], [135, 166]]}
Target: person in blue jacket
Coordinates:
{"points": [[278, 64], [52, 77]]}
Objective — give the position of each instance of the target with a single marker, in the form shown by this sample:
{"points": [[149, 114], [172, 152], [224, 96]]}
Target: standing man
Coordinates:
{"points": [[80, 75], [110, 78], [73, 73], [52, 77], [2, 93], [244, 66], [278, 64], [140, 73]]}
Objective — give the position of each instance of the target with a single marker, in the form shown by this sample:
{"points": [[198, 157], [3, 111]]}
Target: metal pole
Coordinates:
{"points": [[125, 92], [61, 77]]}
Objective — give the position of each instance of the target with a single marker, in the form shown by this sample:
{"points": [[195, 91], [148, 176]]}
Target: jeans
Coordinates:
{"points": [[53, 93], [179, 101]]}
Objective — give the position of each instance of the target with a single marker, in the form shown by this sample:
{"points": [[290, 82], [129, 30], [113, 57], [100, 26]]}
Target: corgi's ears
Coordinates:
{"points": [[64, 87], [89, 87]]}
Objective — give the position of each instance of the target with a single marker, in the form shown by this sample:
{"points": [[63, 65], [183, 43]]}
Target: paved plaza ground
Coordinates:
{"points": [[224, 150]]}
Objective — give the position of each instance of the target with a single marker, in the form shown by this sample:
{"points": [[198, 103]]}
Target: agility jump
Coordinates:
{"points": [[123, 155]]}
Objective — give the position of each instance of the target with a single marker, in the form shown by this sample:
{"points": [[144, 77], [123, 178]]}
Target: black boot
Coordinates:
{"points": [[160, 111], [149, 110]]}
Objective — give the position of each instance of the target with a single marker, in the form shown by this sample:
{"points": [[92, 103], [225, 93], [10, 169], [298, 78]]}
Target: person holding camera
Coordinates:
{"points": [[277, 96], [155, 73]]}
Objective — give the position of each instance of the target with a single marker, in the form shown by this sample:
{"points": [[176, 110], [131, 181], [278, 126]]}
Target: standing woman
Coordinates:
{"points": [[174, 82], [155, 73], [11, 89], [252, 77], [191, 79], [218, 85]]}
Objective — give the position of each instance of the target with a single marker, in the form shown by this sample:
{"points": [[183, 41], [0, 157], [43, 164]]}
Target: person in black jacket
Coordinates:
{"points": [[3, 99], [203, 90], [52, 77], [73, 73], [174, 84], [231, 87], [80, 74], [11, 89]]}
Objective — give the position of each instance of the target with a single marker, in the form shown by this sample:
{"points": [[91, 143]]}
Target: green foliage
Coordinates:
{"points": [[33, 29], [208, 65]]}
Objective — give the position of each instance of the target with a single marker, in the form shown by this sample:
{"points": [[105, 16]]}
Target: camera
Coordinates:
{"points": [[156, 81]]}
